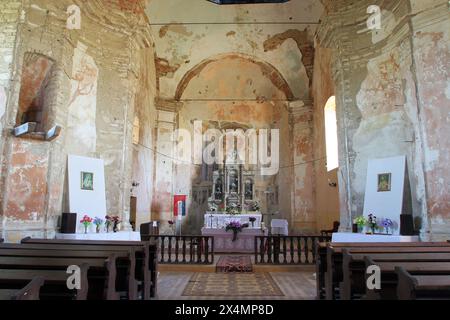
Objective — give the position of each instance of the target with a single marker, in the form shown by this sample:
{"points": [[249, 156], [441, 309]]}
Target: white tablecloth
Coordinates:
{"points": [[113, 236], [342, 237]]}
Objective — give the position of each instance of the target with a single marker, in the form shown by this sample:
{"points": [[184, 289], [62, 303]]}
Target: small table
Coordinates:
{"points": [[223, 240], [343, 237], [104, 236]]}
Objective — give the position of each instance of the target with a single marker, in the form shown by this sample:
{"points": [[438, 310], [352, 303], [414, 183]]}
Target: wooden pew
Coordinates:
{"points": [[411, 287], [389, 277], [102, 274], [321, 269], [29, 292], [16, 273], [333, 263], [146, 256], [354, 272]]}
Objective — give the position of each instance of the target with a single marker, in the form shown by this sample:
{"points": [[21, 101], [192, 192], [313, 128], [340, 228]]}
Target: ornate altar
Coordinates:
{"points": [[233, 190]]}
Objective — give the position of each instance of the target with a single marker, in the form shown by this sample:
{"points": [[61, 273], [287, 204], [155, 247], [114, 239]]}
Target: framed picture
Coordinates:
{"points": [[384, 182], [87, 181]]}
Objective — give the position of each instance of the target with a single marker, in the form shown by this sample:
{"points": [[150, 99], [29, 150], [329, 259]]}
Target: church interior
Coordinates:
{"points": [[224, 149]]}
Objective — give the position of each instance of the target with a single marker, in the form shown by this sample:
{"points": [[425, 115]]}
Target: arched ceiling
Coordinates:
{"points": [[187, 33], [233, 77]]}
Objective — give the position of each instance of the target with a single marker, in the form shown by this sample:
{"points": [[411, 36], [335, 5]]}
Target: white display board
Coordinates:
{"points": [[385, 189], [86, 196]]}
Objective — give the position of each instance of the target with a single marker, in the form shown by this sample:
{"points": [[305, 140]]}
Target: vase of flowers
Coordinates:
{"points": [[252, 221], [108, 223], [372, 223], [116, 221], [387, 224], [236, 227], [98, 222], [86, 221], [360, 221]]}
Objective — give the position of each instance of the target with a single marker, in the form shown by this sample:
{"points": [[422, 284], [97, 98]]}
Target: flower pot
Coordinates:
{"points": [[235, 233]]}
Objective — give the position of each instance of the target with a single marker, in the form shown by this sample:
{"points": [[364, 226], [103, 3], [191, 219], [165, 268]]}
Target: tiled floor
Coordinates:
{"points": [[294, 285]]}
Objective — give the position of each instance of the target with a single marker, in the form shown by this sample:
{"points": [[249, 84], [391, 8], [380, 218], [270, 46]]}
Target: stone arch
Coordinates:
{"points": [[267, 69]]}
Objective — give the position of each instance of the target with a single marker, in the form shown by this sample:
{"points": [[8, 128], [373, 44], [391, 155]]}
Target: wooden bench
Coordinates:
{"points": [[389, 276], [29, 292], [421, 287], [17, 272], [102, 274], [145, 254], [354, 272], [333, 275]]}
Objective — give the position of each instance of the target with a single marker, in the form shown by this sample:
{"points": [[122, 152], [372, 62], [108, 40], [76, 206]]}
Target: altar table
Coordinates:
{"points": [[343, 237], [220, 220], [223, 240]]}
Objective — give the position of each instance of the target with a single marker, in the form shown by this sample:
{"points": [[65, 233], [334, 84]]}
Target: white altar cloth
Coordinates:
{"points": [[220, 220], [343, 237], [108, 236], [223, 240]]}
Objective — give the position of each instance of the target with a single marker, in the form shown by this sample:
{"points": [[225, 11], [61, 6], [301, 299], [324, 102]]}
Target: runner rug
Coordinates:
{"points": [[232, 285], [234, 264]]}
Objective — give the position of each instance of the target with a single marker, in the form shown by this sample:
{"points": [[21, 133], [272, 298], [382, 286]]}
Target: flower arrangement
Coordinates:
{"points": [[234, 209], [360, 221], [372, 223], [387, 223], [86, 221], [236, 227], [112, 220], [98, 222]]}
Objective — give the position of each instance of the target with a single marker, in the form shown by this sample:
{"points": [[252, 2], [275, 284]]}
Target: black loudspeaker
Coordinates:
{"points": [[406, 225], [69, 223]]}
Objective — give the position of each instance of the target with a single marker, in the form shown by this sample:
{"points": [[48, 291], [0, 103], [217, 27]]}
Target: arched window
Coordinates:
{"points": [[331, 134]]}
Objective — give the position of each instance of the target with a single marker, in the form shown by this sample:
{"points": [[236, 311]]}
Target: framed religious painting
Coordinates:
{"points": [[87, 181], [384, 182]]}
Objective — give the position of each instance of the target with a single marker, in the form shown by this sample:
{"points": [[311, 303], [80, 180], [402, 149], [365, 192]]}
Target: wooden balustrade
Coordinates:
{"points": [[287, 250], [183, 249]]}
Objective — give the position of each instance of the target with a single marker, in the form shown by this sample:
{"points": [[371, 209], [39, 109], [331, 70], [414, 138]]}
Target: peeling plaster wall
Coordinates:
{"points": [[143, 152], [386, 80], [431, 42], [91, 95], [9, 19], [326, 196], [204, 30], [203, 54]]}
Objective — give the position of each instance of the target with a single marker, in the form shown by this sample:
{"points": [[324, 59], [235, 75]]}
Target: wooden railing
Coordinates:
{"points": [[287, 250], [183, 249]]}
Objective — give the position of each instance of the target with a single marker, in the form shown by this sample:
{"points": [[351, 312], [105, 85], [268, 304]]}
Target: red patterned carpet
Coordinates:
{"points": [[234, 264], [232, 285]]}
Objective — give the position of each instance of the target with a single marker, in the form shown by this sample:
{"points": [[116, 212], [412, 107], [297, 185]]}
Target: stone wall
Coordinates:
{"points": [[384, 88], [91, 95]]}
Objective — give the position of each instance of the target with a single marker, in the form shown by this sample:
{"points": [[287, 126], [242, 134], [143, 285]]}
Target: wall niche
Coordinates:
{"points": [[35, 94]]}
